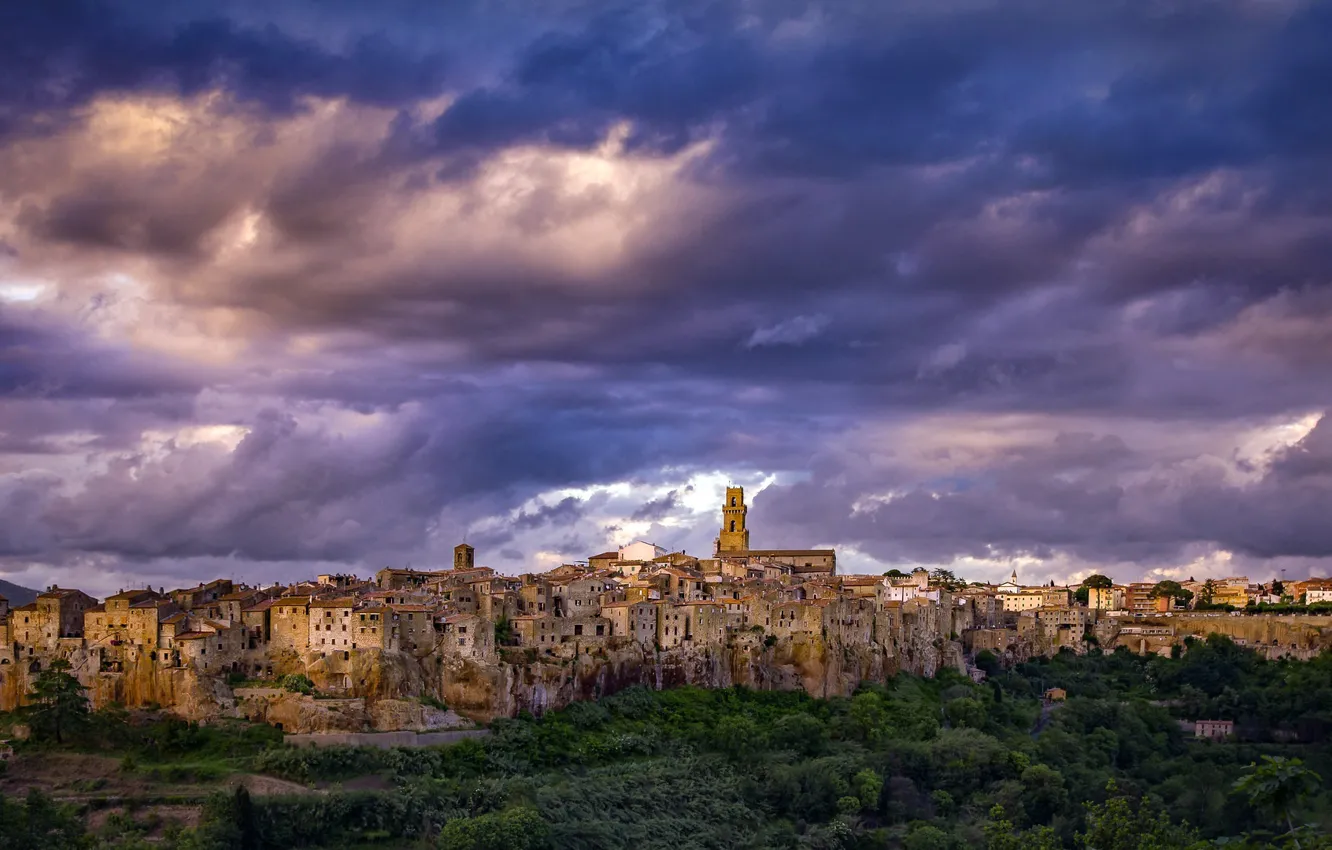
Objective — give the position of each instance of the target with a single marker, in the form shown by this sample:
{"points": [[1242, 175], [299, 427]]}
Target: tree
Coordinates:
{"points": [[518, 828], [895, 573], [57, 704], [945, 578], [1277, 786], [1208, 592], [503, 631], [1171, 590], [1121, 823], [1001, 834], [1082, 595], [38, 822], [1098, 580]]}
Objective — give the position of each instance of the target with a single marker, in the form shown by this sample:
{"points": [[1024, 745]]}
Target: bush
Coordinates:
{"points": [[297, 683], [512, 829]]}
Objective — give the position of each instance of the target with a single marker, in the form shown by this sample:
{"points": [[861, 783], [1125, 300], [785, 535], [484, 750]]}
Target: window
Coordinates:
{"points": [[462, 630]]}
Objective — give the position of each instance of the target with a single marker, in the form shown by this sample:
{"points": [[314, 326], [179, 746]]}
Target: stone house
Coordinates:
{"points": [[579, 597], [145, 619], [413, 628], [617, 615], [289, 624], [591, 628], [1056, 597], [257, 621], [331, 624], [861, 586], [395, 579], [203, 597], [673, 626], [466, 636], [232, 605], [706, 621], [534, 630], [850, 620], [373, 625], [799, 617], [58, 613], [536, 597]]}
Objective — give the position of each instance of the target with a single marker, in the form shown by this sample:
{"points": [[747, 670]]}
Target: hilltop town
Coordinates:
{"points": [[491, 645]]}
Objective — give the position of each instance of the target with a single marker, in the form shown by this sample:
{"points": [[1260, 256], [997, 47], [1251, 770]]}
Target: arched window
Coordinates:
{"points": [[733, 525]]}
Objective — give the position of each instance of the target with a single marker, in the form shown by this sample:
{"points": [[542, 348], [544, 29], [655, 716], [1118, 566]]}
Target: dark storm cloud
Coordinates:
{"points": [[55, 56], [1092, 496], [43, 360], [657, 509], [562, 512], [1055, 210]]}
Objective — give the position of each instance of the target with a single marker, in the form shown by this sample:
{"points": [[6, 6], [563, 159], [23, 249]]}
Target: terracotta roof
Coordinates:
{"points": [[133, 594], [342, 602], [605, 556], [193, 635], [263, 605], [58, 593], [96, 609]]}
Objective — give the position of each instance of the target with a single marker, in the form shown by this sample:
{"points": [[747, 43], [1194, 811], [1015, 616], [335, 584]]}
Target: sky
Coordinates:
{"points": [[293, 287]]}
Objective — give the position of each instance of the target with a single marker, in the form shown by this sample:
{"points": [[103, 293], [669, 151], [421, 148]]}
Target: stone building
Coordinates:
{"points": [[331, 624], [57, 613], [413, 628], [289, 623]]}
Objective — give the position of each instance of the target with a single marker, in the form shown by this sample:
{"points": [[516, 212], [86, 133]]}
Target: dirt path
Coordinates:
{"points": [[265, 786]]}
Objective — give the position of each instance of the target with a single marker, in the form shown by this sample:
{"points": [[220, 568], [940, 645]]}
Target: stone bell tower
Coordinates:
{"points": [[734, 535], [464, 557]]}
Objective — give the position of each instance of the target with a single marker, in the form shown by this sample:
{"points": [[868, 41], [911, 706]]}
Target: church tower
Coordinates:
{"points": [[734, 536], [464, 557]]}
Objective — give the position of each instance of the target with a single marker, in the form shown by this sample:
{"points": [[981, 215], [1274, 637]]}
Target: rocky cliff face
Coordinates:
{"points": [[375, 687]]}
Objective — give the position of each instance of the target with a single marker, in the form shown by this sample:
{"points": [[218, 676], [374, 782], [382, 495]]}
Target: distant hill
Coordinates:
{"points": [[16, 594]]}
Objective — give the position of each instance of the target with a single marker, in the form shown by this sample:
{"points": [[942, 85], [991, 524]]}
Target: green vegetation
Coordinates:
{"points": [[1173, 591], [57, 707], [297, 683], [917, 764]]}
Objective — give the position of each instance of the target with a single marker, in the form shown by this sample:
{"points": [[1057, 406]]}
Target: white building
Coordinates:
{"points": [[641, 551], [1318, 596]]}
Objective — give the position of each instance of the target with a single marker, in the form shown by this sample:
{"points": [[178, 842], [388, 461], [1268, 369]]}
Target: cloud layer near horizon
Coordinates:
{"points": [[289, 287]]}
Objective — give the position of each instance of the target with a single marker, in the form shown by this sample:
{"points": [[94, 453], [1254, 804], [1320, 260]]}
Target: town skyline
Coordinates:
{"points": [[304, 287]]}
